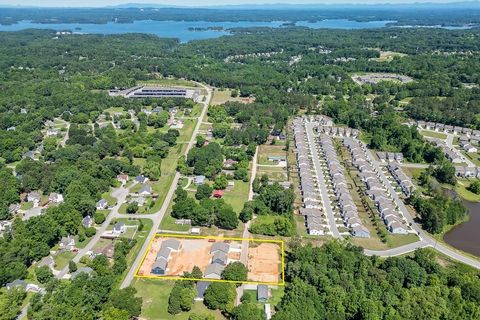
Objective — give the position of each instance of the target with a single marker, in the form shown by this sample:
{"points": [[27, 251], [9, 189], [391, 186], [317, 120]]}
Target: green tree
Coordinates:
{"points": [[43, 274], [204, 191], [220, 295], [474, 187], [99, 217], [132, 207], [72, 266], [235, 271], [248, 311]]}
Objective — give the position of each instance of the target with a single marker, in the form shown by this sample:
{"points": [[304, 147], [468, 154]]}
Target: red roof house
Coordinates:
{"points": [[218, 193]]}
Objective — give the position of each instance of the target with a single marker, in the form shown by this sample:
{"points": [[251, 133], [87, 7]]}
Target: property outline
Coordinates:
{"points": [[171, 235]]}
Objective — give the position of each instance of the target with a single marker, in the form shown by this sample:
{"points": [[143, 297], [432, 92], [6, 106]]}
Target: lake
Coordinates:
{"points": [[466, 236], [180, 29]]}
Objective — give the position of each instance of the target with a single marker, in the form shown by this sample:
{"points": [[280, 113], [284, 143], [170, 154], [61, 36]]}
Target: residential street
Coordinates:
{"points": [[120, 194], [323, 188], [425, 239], [158, 216]]}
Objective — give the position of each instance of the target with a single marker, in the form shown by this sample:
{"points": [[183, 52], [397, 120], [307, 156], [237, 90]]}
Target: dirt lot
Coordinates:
{"points": [[194, 252], [264, 262]]}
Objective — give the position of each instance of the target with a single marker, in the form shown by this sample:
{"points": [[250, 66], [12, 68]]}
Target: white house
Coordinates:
{"points": [[55, 198]]}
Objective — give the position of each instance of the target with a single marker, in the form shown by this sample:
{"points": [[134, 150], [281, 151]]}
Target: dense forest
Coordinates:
{"points": [[337, 281]]}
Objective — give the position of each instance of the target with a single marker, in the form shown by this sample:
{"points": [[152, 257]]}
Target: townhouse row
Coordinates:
{"points": [[376, 190], [312, 208], [336, 173]]}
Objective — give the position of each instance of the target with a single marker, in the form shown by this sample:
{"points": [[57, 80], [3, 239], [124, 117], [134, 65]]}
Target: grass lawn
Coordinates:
{"points": [[62, 259], [277, 295], [269, 150], [220, 97], [82, 244], [273, 173], [155, 295], [398, 240], [205, 126], [472, 157], [461, 189], [113, 110], [433, 134], [26, 205], [238, 195], [111, 200]]}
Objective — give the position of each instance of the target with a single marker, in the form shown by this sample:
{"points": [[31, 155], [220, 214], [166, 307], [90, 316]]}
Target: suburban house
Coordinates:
{"points": [[277, 159], [145, 190], [52, 132], [220, 257], [360, 232], [86, 270], [218, 193], [87, 222], [163, 255], [55, 198], [102, 204], [199, 180], [15, 284], [214, 271], [29, 154], [123, 178], [5, 225], [67, 243], [262, 293], [201, 287], [119, 227], [34, 197], [141, 179], [229, 163]]}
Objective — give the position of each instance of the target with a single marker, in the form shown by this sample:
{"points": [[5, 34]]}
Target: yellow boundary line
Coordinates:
{"points": [[281, 242]]}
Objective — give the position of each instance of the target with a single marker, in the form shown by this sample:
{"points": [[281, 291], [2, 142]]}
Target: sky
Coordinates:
{"points": [[101, 3]]}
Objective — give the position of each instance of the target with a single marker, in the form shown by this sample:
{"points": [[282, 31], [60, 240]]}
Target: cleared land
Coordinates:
{"points": [[264, 262], [264, 258], [378, 77]]}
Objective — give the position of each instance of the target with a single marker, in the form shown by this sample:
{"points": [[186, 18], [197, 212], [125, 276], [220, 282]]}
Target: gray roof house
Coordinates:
{"points": [[145, 190], [160, 266], [199, 180], [141, 179], [262, 293], [220, 257], [87, 222], [119, 227], [172, 244], [201, 287], [16, 283], [220, 246], [214, 271], [86, 270], [102, 204]]}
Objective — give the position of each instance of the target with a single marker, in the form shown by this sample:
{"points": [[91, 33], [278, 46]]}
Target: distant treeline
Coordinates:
{"points": [[403, 15]]}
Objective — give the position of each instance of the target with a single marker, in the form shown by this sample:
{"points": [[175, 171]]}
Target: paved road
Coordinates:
{"points": [[246, 232], [120, 194], [158, 216], [426, 240], [321, 181]]}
